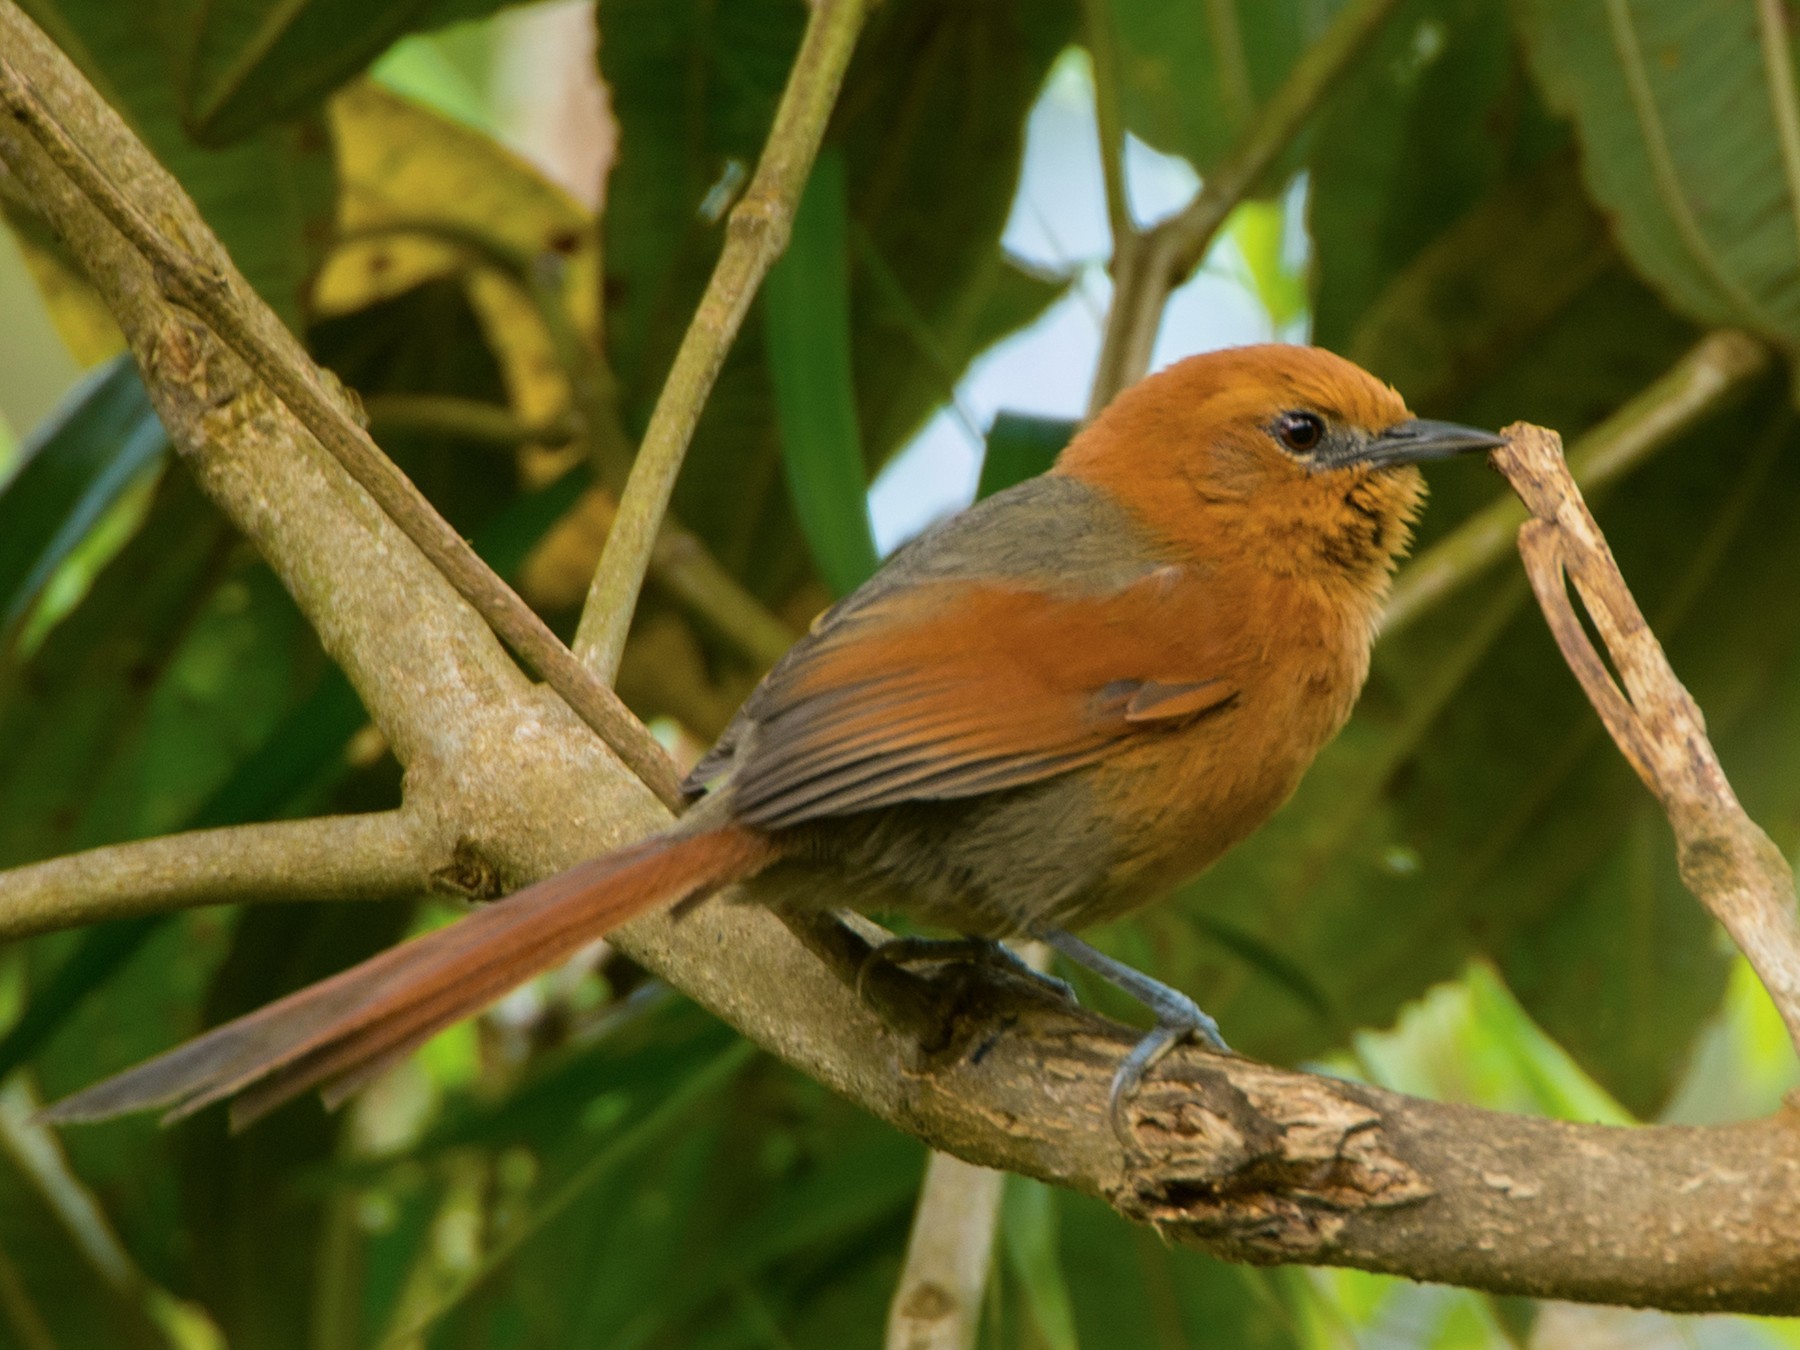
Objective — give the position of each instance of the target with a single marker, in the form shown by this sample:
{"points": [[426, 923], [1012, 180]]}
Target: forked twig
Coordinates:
{"points": [[1729, 864]]}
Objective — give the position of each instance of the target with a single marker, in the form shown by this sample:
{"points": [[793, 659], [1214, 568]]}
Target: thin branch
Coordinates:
{"points": [[372, 857], [1235, 91], [557, 573], [1730, 865], [1169, 252], [469, 419], [937, 1303], [1705, 376], [277, 360], [1109, 117], [679, 559], [682, 563], [757, 234]]}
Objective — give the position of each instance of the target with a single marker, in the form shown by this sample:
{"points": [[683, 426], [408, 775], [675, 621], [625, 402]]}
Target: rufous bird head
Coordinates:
{"points": [[1288, 454]]}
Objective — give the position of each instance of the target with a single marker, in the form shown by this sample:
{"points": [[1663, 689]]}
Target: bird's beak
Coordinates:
{"points": [[1418, 439]]}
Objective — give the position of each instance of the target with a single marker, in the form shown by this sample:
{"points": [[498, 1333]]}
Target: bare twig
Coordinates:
{"points": [[1109, 118], [937, 1304], [469, 419], [373, 857], [1730, 865], [280, 363], [757, 234], [1161, 258], [682, 563], [1691, 389]]}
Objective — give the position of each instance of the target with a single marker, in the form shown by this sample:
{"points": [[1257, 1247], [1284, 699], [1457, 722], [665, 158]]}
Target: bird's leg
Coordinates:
{"points": [[913, 951], [1178, 1017]]}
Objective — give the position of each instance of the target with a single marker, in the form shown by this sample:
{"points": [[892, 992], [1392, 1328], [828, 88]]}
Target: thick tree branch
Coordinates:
{"points": [[938, 1301], [457, 711], [1149, 265], [193, 273], [372, 857], [757, 233], [1251, 1162], [1705, 376]]}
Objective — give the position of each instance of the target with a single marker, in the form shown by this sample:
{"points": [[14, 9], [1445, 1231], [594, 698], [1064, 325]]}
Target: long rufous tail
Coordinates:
{"points": [[340, 1033]]}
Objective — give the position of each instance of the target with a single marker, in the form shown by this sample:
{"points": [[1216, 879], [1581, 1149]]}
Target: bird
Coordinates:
{"points": [[1041, 714]]}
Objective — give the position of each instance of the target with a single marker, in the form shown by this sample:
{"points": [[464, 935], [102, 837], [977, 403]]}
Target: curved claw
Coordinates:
{"points": [[1178, 1018], [1156, 1043]]}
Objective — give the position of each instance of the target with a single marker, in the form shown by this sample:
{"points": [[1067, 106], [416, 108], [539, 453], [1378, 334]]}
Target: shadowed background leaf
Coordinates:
{"points": [[1680, 117], [268, 197]]}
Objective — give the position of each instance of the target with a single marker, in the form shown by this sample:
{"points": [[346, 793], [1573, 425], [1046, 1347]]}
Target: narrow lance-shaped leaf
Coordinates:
{"points": [[806, 306], [75, 466]]}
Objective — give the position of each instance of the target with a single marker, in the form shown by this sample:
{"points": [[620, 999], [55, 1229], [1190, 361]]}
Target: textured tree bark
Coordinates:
{"points": [[1251, 1162]]}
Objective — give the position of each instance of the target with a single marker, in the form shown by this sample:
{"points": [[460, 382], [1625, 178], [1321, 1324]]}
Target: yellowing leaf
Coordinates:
{"points": [[81, 318], [420, 196]]}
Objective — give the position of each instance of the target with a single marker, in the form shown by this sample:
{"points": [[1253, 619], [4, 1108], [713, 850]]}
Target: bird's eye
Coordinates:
{"points": [[1300, 431]]}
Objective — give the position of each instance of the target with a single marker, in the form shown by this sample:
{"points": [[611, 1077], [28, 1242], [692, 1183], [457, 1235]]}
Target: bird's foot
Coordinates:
{"points": [[915, 951], [1178, 1019]]}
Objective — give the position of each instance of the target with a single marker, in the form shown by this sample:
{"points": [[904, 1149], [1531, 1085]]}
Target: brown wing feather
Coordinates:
{"points": [[955, 689]]}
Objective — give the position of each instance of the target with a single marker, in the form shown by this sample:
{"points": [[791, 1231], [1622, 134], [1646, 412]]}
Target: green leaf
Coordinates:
{"points": [[246, 63], [75, 466], [255, 1217], [1126, 1287], [1020, 446], [1485, 288], [1680, 120], [79, 707], [1423, 128], [927, 192], [1029, 1230], [269, 197], [306, 748], [1260, 232], [806, 306], [1192, 76], [1470, 1041]]}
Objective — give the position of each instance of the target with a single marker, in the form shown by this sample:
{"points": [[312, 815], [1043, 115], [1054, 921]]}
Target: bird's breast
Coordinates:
{"points": [[1188, 795]]}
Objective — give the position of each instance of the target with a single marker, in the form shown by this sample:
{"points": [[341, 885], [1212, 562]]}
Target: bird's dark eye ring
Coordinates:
{"points": [[1300, 431]]}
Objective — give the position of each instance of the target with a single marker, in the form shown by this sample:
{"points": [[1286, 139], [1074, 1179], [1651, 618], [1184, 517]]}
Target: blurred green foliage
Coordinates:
{"points": [[1513, 213]]}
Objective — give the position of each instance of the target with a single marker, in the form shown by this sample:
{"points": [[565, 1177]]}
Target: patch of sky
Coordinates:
{"points": [[1248, 290]]}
